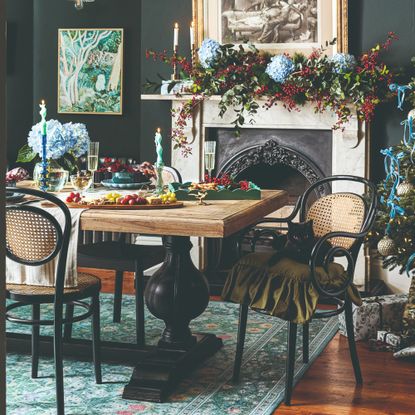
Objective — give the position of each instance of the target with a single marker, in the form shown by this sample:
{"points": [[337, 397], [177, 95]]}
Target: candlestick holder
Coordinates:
{"points": [[159, 190], [44, 169], [194, 59], [175, 75]]}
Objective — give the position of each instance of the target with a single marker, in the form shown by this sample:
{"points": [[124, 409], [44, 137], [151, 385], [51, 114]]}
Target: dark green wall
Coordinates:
{"points": [[151, 28], [118, 135], [157, 20], [19, 73], [370, 20]]}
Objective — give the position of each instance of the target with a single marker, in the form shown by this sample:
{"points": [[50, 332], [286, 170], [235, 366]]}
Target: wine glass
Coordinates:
{"points": [[93, 150], [82, 181], [210, 152]]}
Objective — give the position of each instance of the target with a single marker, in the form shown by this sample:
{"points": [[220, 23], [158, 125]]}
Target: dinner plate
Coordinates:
{"points": [[110, 184], [14, 197]]}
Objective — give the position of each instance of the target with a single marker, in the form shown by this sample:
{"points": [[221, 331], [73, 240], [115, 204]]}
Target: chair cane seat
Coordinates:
{"points": [[87, 285]]}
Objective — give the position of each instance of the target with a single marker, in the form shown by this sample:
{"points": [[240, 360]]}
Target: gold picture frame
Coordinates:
{"points": [[98, 88], [208, 21]]}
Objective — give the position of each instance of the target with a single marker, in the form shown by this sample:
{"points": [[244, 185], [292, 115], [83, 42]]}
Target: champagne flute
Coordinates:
{"points": [[210, 152], [93, 150]]}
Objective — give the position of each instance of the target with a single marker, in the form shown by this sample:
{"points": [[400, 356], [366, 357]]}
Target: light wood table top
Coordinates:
{"points": [[218, 219]]}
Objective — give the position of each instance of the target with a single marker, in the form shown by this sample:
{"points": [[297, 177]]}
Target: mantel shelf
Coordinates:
{"points": [[172, 97]]}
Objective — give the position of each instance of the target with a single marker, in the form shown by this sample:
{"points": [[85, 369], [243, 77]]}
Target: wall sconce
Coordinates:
{"points": [[79, 4]]}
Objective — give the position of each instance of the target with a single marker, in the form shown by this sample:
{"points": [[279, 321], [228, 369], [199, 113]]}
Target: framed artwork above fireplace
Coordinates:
{"points": [[277, 26]]}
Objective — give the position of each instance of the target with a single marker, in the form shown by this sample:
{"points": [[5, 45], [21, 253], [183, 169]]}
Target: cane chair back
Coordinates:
{"points": [[33, 236], [338, 212]]}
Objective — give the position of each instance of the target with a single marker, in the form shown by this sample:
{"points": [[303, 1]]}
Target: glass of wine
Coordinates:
{"points": [[93, 151], [210, 152]]}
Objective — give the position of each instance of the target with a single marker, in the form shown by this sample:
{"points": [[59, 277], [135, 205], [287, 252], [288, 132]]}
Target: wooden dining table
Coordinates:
{"points": [[177, 292]]}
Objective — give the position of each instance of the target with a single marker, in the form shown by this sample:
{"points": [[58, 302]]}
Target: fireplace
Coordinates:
{"points": [[275, 159], [281, 149]]}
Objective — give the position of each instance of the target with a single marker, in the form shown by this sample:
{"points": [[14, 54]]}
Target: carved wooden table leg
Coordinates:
{"points": [[177, 293]]}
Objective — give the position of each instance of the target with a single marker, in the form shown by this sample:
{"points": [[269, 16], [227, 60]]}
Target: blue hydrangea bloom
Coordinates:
{"points": [[208, 52], [56, 144], [77, 138], [280, 68], [343, 62]]}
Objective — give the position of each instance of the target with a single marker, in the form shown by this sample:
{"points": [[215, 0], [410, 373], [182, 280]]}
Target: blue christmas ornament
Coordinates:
{"points": [[209, 52], [343, 62], [280, 68]]}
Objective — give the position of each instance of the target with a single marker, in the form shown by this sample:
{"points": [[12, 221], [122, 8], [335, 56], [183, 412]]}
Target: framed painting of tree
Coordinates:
{"points": [[90, 71]]}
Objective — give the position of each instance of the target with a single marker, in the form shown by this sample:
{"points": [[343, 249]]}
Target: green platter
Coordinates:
{"points": [[183, 193]]}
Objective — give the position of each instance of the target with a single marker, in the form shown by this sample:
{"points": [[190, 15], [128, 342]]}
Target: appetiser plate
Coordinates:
{"points": [[113, 206], [111, 185]]}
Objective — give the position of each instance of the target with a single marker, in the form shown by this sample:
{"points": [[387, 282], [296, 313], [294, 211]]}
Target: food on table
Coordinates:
{"points": [[73, 198], [169, 197], [154, 200], [219, 183], [114, 198], [81, 181]]}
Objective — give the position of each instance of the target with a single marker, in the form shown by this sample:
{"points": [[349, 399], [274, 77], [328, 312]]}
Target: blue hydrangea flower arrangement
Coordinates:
{"points": [[77, 138], [209, 52], [70, 138], [65, 143], [280, 68], [56, 143], [343, 62]]}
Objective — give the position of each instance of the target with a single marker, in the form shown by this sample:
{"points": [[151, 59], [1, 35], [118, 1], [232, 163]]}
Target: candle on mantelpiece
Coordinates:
{"points": [[159, 148], [176, 35], [192, 34]]}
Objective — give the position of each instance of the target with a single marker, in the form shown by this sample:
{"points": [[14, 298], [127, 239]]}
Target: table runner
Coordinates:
{"points": [[44, 275]]}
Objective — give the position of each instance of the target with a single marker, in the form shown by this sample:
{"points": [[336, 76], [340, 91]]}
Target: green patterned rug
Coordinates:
{"points": [[207, 391]]}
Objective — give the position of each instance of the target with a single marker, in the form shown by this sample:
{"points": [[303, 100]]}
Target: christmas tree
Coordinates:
{"points": [[394, 230]]}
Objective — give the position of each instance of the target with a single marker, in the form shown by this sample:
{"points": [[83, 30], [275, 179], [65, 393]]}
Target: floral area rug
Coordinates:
{"points": [[207, 391]]}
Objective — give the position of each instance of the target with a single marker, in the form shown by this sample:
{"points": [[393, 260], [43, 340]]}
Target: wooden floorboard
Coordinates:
{"points": [[328, 388]]}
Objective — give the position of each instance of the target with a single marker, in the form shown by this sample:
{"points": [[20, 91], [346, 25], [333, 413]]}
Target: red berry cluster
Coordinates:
{"points": [[73, 198], [244, 185], [225, 180], [132, 200], [115, 166]]}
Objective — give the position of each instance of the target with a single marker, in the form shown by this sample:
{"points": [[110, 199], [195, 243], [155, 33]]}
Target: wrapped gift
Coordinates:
{"points": [[380, 346], [374, 314], [396, 340]]}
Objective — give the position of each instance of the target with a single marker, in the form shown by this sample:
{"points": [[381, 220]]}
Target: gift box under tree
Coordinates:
{"points": [[374, 314]]}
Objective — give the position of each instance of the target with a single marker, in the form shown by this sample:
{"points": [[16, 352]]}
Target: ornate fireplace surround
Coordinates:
{"points": [[349, 150]]}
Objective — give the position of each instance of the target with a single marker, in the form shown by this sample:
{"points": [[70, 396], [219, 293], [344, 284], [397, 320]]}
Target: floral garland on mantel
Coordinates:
{"points": [[243, 75]]}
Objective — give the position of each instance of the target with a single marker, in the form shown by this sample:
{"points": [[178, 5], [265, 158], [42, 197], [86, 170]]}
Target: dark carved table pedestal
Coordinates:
{"points": [[177, 293]]}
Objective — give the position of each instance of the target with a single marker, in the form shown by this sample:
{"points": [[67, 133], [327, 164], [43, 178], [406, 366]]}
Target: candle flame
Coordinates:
{"points": [[158, 130], [192, 25], [43, 102], [176, 25]]}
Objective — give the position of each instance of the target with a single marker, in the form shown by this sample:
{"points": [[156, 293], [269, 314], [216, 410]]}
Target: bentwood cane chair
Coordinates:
{"points": [[34, 237], [121, 256], [292, 290]]}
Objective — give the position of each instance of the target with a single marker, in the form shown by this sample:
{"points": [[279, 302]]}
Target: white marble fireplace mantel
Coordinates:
{"points": [[350, 145]]}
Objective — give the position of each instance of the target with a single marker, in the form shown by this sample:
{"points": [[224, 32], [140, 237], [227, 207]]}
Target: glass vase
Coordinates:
{"points": [[56, 179]]}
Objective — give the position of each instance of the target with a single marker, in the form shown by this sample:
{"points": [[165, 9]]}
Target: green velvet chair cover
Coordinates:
{"points": [[283, 290]]}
